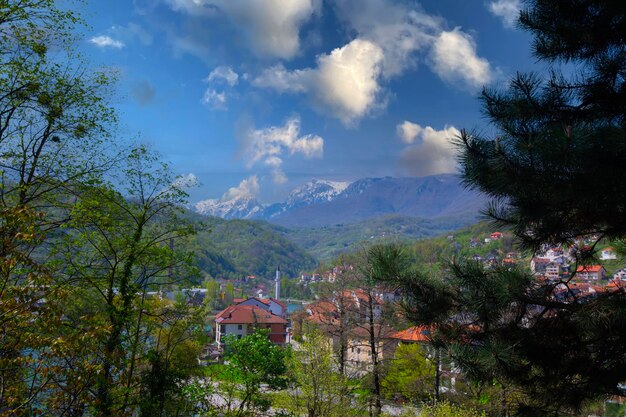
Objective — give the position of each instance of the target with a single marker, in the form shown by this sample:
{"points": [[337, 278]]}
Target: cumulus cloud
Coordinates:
{"points": [[390, 37], [455, 60], [397, 29], [272, 27], [345, 83], [104, 41], [507, 10], [347, 79], [214, 99], [223, 74], [249, 187], [430, 151], [408, 131], [267, 146]]}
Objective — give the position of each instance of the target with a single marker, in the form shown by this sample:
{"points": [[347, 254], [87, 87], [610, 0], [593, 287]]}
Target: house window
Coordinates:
{"points": [[239, 326], [238, 336], [222, 328]]}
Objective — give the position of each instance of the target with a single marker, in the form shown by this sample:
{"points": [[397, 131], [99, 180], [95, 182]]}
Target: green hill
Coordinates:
{"points": [[236, 248], [327, 242]]}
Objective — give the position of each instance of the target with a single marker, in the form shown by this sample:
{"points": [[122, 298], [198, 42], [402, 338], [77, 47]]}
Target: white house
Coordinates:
{"points": [[608, 253], [272, 305], [241, 320]]}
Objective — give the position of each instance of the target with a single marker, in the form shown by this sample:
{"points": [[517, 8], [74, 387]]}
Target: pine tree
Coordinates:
{"points": [[555, 173]]}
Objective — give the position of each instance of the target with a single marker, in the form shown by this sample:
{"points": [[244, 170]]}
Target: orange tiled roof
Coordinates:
{"points": [[413, 334], [589, 268], [238, 314]]}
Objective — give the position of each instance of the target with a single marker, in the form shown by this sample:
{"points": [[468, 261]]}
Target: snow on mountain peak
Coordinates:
{"points": [[244, 207], [316, 191]]}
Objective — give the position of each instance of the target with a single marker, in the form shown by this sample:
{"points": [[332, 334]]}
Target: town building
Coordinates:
{"points": [[608, 254], [590, 272], [240, 320]]}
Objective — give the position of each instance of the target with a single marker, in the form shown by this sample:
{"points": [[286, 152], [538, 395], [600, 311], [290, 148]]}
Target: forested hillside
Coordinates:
{"points": [[236, 248], [327, 242]]}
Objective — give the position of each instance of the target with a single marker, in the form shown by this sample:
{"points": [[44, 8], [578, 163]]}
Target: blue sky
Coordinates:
{"points": [[253, 97]]}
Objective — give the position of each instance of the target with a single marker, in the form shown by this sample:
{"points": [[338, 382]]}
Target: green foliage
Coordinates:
{"points": [[554, 173], [328, 242], [411, 374], [449, 410], [293, 289], [212, 295], [252, 361], [255, 360], [464, 243], [318, 390], [54, 125], [236, 391], [238, 248]]}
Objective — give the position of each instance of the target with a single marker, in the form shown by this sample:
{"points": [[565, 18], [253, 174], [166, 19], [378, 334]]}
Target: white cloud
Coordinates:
{"points": [[267, 146], [507, 10], [215, 100], [104, 41], [390, 37], [408, 131], [249, 187], [223, 73], [282, 80], [430, 151], [345, 82], [347, 79], [272, 27], [397, 29], [185, 181], [455, 60]]}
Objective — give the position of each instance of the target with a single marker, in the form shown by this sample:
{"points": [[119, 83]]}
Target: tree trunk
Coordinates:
{"points": [[374, 354]]}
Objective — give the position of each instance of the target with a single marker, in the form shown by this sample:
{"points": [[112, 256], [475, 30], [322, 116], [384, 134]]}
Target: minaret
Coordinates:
{"points": [[277, 284]]}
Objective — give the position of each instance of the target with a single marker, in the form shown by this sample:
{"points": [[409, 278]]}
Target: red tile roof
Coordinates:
{"points": [[238, 314], [589, 268], [541, 260], [413, 334]]}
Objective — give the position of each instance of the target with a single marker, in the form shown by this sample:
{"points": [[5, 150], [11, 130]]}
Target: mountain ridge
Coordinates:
{"points": [[323, 202]]}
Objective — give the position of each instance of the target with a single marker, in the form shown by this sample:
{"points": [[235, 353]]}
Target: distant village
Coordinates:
{"points": [[344, 316]]}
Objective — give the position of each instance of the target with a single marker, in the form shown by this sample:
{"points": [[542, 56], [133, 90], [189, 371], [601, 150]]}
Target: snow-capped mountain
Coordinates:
{"points": [[312, 192], [322, 202], [247, 207], [244, 207], [316, 191]]}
